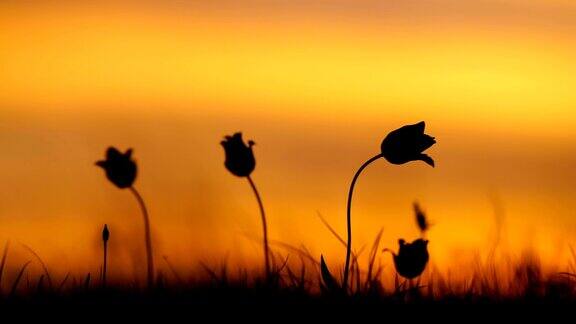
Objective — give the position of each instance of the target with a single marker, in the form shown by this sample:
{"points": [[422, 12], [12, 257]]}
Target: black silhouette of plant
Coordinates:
{"points": [[240, 162], [400, 146], [407, 144], [105, 238], [421, 220], [330, 285], [3, 262], [121, 170], [240, 159], [411, 259]]}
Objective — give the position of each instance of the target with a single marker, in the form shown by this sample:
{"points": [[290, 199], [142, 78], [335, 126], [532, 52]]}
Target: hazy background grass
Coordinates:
{"points": [[502, 277]]}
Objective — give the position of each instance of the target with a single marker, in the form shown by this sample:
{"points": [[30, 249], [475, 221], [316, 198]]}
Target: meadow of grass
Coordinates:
{"points": [[501, 286], [293, 277], [297, 278]]}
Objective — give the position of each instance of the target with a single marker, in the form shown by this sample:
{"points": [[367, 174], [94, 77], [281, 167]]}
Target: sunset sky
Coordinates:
{"points": [[317, 85]]}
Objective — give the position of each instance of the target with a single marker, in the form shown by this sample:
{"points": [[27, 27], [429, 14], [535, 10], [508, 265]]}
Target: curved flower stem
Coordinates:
{"points": [[348, 209], [264, 228], [149, 255]]}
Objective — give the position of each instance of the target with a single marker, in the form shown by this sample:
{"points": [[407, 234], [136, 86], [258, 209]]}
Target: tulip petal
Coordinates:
{"points": [[420, 126], [426, 158], [425, 142], [113, 153]]}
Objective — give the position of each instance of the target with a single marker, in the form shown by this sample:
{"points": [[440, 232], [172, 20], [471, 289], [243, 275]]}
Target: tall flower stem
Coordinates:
{"points": [[149, 255], [105, 264], [348, 219], [264, 228]]}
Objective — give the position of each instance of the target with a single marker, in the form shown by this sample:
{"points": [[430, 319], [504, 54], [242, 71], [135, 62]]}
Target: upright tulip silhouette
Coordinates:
{"points": [[411, 259], [240, 162], [121, 170], [400, 146], [240, 159]]}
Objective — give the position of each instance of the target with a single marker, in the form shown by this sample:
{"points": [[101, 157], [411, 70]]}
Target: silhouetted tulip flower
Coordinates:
{"points": [[240, 162], [105, 233], [120, 168], [402, 145], [407, 144], [121, 171], [412, 258], [239, 156]]}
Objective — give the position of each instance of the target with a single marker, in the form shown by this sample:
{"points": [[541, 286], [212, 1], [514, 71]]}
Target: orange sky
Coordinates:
{"points": [[317, 86]]}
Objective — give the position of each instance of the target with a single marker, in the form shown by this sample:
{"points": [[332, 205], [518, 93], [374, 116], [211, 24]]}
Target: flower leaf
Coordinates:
{"points": [[329, 283]]}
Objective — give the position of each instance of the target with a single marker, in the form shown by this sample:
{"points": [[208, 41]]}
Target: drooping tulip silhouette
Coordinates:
{"points": [[400, 146], [407, 144], [411, 259], [240, 162], [121, 170]]}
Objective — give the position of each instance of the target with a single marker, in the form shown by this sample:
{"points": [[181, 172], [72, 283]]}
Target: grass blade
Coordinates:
{"points": [[63, 282], [372, 257], [41, 263], [173, 270], [18, 278], [3, 263], [332, 230], [40, 285], [87, 281], [329, 282]]}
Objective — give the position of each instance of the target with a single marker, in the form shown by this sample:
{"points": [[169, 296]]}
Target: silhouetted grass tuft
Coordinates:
{"points": [[3, 263]]}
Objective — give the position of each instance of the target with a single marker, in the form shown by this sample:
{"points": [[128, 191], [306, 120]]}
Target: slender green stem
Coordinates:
{"points": [[348, 219], [264, 228], [148, 239]]}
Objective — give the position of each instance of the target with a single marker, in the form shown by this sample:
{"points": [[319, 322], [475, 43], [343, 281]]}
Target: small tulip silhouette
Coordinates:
{"points": [[239, 156], [105, 233], [120, 168], [240, 162], [407, 144], [400, 146], [412, 258]]}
